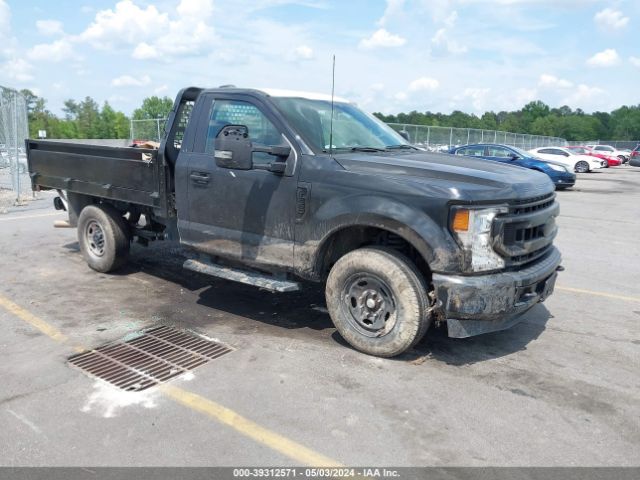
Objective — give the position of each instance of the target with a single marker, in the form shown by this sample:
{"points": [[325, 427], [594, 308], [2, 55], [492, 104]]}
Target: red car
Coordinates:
{"points": [[612, 161]]}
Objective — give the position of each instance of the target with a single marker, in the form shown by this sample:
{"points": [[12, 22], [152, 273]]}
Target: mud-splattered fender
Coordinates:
{"points": [[431, 240]]}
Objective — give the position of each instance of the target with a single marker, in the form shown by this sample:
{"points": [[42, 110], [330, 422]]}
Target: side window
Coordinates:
{"points": [[233, 112], [471, 151], [552, 151], [499, 152], [546, 151]]}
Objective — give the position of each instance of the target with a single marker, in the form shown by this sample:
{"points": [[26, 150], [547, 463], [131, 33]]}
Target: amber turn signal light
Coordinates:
{"points": [[461, 221]]}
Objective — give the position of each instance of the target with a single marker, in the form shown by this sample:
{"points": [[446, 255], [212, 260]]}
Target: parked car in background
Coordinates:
{"points": [[634, 159], [610, 159], [559, 174], [609, 150], [576, 162]]}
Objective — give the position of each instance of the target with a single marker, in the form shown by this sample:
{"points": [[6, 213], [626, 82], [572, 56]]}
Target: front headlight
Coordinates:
{"points": [[472, 228], [557, 168]]}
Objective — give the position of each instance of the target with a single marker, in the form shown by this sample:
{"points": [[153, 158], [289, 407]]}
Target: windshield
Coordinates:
{"points": [[352, 127], [581, 150]]}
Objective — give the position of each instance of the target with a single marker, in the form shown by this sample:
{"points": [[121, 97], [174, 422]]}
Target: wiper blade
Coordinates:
{"points": [[403, 146], [367, 149]]}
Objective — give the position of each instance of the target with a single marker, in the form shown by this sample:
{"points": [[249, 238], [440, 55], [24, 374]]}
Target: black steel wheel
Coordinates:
{"points": [[378, 301], [103, 237]]}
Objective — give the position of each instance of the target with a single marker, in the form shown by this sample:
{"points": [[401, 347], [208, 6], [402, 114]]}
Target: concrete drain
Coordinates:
{"points": [[157, 355]]}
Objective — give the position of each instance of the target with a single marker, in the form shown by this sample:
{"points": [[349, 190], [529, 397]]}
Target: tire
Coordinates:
{"points": [[378, 301], [622, 159], [582, 167], [103, 238]]}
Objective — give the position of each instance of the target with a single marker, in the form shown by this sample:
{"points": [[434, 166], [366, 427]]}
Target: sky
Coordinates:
{"points": [[391, 56]]}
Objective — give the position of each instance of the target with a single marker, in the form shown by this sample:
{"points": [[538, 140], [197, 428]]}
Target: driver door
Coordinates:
{"points": [[245, 215]]}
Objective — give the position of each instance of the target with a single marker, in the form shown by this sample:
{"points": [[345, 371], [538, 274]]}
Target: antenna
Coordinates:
{"points": [[333, 86]]}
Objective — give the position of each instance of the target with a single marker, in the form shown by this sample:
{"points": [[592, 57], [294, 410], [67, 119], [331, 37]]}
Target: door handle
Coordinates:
{"points": [[200, 178]]}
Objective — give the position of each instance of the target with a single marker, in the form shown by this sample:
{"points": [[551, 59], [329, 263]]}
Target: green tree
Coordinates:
{"points": [[153, 108]]}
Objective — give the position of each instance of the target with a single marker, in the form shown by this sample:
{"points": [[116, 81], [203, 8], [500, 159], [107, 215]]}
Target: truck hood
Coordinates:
{"points": [[470, 178]]}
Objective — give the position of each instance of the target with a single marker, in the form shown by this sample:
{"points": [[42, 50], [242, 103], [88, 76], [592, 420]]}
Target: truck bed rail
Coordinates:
{"points": [[127, 174]]}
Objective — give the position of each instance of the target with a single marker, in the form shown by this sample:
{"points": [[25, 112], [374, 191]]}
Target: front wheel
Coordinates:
{"points": [[378, 301], [103, 237], [582, 167]]}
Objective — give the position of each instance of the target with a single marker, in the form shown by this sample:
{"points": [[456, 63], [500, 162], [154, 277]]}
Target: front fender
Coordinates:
{"points": [[431, 240]]}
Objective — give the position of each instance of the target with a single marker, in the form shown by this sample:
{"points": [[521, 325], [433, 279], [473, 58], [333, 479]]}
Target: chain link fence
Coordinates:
{"points": [[619, 144], [145, 130], [443, 138], [15, 185]]}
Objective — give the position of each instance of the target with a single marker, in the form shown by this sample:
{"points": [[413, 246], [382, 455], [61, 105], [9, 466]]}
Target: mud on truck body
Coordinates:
{"points": [[270, 188]]}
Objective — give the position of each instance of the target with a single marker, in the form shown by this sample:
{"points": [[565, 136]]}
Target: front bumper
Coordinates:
{"points": [[487, 303], [565, 181]]}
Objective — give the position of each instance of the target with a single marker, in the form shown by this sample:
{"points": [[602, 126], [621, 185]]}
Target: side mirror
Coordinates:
{"points": [[233, 148], [404, 134], [514, 156]]}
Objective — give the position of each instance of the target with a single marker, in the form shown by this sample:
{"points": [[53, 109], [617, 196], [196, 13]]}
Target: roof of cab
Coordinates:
{"points": [[281, 93]]}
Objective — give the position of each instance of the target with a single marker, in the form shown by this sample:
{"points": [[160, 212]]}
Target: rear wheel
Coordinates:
{"points": [[582, 167], [103, 237], [378, 301]]}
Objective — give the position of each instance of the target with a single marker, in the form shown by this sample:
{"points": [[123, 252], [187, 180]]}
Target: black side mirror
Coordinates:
{"points": [[404, 134], [279, 166], [233, 148], [514, 156]]}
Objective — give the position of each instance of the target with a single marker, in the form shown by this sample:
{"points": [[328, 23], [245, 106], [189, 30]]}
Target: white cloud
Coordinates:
{"points": [[551, 81], [303, 52], [52, 52], [402, 96], [635, 61], [477, 97], [610, 19], [153, 34], [129, 81], [582, 94], [424, 83], [394, 8], [49, 27], [144, 51], [17, 69], [161, 89], [441, 43], [382, 38], [606, 58]]}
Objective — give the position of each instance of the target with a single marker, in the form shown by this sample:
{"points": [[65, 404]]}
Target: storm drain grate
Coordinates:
{"points": [[154, 357]]}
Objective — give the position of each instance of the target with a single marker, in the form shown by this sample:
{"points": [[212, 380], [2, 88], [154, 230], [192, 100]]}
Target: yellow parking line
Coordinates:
{"points": [[599, 294], [28, 317], [248, 428], [21, 217], [220, 413]]}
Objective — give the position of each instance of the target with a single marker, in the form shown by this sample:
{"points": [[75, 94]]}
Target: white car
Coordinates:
{"points": [[573, 161], [609, 150]]}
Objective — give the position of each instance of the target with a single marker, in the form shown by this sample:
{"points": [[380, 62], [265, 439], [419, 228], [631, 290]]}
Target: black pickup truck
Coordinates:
{"points": [[271, 187]]}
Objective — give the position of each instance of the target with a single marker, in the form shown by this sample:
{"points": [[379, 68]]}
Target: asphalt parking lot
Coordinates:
{"points": [[562, 388]]}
